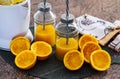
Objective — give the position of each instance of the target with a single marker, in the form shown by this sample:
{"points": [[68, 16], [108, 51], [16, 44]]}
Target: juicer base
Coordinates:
{"points": [[5, 43]]}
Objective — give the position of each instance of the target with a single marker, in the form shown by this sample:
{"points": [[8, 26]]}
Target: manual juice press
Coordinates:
{"points": [[14, 21]]}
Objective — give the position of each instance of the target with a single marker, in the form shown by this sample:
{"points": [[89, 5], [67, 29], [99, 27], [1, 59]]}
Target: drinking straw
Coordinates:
{"points": [[67, 16], [44, 14]]}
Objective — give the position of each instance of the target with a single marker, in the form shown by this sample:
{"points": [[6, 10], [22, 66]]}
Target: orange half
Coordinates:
{"points": [[86, 38], [73, 60], [42, 49], [88, 48], [25, 60], [17, 1], [100, 60], [19, 44]]}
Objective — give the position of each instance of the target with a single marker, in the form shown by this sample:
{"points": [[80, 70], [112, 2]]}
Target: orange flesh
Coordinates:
{"points": [[86, 38], [19, 44], [73, 60], [100, 60], [88, 49]]}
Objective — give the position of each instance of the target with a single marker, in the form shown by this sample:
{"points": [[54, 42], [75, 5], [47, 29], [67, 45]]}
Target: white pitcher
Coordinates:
{"points": [[14, 21]]}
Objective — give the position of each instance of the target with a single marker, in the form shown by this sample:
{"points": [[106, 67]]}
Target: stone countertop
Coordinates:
{"points": [[105, 9]]}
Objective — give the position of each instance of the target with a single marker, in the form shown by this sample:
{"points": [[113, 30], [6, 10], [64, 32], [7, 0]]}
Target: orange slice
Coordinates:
{"points": [[73, 60], [25, 60], [62, 48], [86, 38], [88, 48], [19, 44], [42, 49], [100, 60]]}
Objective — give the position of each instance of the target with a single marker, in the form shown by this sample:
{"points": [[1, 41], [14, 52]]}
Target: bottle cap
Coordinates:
{"points": [[41, 7], [64, 19]]}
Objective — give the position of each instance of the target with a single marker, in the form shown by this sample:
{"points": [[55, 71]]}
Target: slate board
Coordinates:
{"points": [[54, 69]]}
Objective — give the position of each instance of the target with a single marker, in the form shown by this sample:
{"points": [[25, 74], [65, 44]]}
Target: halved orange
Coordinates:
{"points": [[88, 48], [19, 44], [26, 60], [100, 60], [5, 2], [73, 60], [10, 2], [42, 49], [62, 48], [86, 38], [17, 1]]}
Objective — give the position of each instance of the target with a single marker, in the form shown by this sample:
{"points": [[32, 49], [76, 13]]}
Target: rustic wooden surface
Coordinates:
{"points": [[105, 9]]}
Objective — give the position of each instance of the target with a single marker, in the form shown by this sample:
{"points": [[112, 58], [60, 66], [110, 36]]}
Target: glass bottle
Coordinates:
{"points": [[46, 33], [66, 37]]}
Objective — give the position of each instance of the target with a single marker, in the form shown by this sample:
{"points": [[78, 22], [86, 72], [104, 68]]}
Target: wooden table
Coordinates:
{"points": [[105, 9]]}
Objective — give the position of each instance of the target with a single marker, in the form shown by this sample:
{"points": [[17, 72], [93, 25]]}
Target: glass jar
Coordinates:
{"points": [[66, 37], [46, 33]]}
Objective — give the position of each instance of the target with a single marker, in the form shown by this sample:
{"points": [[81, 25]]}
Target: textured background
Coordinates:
{"points": [[105, 9]]}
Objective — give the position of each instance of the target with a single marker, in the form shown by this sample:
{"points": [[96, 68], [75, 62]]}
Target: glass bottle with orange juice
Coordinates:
{"points": [[66, 36], [44, 21]]}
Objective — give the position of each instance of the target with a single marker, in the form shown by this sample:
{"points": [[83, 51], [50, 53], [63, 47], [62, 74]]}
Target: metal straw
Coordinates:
{"points": [[67, 16], [44, 14]]}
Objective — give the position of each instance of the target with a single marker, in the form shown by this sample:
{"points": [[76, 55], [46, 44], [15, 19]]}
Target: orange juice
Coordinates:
{"points": [[47, 34], [62, 48]]}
